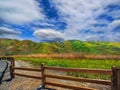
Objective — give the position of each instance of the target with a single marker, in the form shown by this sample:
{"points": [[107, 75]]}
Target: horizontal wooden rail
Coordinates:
{"points": [[105, 82], [7, 58], [83, 70], [29, 76], [28, 69], [68, 86]]}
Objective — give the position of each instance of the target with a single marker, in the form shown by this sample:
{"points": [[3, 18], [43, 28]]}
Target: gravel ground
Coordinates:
{"points": [[4, 75], [22, 83], [19, 83]]}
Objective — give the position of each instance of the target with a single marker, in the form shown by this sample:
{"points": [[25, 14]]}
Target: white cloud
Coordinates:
{"points": [[4, 30], [19, 11], [114, 24], [115, 14], [81, 15], [9, 33], [48, 34], [113, 31]]}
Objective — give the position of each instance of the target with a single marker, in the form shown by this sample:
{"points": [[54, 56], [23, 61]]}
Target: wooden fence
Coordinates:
{"points": [[114, 73]]}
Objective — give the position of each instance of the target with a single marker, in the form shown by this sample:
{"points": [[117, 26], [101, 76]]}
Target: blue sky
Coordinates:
{"points": [[56, 20]]}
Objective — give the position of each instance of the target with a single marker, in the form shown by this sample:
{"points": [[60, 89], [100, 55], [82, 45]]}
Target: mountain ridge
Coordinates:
{"points": [[16, 47]]}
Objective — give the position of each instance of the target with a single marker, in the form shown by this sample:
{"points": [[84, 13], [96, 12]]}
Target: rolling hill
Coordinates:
{"points": [[15, 47]]}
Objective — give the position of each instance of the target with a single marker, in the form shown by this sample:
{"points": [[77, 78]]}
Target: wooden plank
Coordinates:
{"points": [[105, 82], [6, 58], [12, 71], [68, 86], [83, 70], [28, 69], [118, 76], [115, 78], [28, 76], [43, 75]]}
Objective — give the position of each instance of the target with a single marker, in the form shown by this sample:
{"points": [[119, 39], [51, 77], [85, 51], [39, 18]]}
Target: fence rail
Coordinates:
{"points": [[68, 86], [105, 82], [28, 69], [114, 83], [114, 73], [44, 76], [83, 70], [29, 76]]}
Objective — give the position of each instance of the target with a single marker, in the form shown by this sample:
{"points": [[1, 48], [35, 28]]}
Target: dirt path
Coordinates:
{"points": [[22, 83], [3, 68]]}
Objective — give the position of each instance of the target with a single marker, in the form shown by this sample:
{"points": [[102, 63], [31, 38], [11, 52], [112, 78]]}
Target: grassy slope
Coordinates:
{"points": [[10, 47]]}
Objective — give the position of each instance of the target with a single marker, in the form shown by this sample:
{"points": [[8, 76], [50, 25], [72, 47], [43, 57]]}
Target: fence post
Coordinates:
{"points": [[43, 75], [115, 78], [12, 68]]}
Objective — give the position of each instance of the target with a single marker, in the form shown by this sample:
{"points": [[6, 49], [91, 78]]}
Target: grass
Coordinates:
{"points": [[25, 47], [76, 63]]}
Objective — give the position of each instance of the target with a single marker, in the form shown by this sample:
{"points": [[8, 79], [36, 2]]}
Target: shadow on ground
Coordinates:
{"points": [[3, 69]]}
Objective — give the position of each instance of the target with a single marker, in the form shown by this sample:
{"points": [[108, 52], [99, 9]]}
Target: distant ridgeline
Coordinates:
{"points": [[13, 47]]}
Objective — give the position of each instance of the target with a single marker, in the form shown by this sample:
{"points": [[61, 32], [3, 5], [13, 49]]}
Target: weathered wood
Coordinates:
{"points": [[13, 62], [12, 71], [28, 69], [6, 58], [43, 75], [118, 76], [105, 82], [3, 58], [13, 65], [68, 86], [115, 84], [83, 70], [115, 78], [29, 76]]}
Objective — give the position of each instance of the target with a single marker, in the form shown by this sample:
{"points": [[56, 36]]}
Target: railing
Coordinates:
{"points": [[105, 82], [11, 59], [28, 69], [114, 73]]}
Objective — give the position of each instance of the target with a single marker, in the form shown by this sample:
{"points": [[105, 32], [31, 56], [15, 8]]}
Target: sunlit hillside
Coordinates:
{"points": [[13, 47]]}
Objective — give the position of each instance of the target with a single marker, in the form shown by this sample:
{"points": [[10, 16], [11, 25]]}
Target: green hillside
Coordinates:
{"points": [[13, 47]]}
